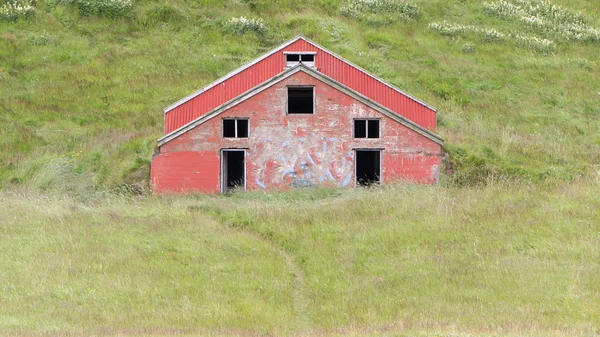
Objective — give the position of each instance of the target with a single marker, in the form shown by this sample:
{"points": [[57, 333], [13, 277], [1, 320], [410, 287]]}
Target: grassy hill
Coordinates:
{"points": [[83, 87], [507, 245]]}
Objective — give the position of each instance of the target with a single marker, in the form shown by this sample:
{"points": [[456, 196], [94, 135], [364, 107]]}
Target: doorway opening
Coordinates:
{"points": [[233, 170], [368, 167]]}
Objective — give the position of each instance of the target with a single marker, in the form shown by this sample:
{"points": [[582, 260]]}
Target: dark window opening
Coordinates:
{"points": [[242, 128], [234, 172], [235, 128], [293, 57], [229, 128], [301, 100], [308, 58], [360, 128], [373, 128], [366, 128], [368, 167]]}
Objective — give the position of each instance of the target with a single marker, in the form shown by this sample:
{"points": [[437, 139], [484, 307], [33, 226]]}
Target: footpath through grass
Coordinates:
{"points": [[504, 260]]}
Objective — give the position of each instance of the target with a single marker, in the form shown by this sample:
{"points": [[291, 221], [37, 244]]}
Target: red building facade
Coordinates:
{"points": [[298, 116]]}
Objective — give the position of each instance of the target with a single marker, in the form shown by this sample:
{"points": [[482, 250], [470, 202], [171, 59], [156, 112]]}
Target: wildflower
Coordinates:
{"points": [[14, 10], [243, 25]]}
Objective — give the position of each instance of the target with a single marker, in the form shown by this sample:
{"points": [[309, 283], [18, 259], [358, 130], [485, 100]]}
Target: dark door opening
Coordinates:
{"points": [[368, 167], [234, 170]]}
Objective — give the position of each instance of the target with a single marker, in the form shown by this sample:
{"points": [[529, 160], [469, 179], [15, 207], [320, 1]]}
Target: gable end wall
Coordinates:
{"points": [[294, 150]]}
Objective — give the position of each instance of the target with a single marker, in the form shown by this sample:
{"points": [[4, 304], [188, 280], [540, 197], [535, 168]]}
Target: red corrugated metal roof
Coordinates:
{"points": [[269, 65]]}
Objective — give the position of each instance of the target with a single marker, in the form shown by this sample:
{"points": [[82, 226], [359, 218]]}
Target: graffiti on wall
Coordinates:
{"points": [[302, 161]]}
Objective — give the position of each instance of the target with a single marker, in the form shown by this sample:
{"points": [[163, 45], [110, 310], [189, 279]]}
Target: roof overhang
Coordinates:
{"points": [[319, 76], [283, 46]]}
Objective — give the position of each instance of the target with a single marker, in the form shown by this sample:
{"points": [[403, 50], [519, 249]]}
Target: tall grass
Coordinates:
{"points": [[502, 260]]}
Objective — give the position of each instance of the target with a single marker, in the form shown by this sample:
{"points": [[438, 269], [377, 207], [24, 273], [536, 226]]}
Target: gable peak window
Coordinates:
{"points": [[306, 58], [366, 128], [235, 128]]}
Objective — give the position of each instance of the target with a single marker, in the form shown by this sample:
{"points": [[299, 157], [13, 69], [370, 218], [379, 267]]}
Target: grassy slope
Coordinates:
{"points": [[501, 260], [82, 97], [81, 103]]}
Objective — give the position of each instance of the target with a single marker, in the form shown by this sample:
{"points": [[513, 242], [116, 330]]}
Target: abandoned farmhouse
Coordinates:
{"points": [[298, 116]]}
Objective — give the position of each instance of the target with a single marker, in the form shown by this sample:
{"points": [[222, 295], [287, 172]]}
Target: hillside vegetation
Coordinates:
{"points": [[506, 245], [83, 82]]}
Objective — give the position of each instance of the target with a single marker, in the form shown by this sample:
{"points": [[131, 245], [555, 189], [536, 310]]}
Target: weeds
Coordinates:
{"points": [[469, 48], [14, 10], [492, 35], [380, 11], [103, 8], [535, 43], [546, 19], [243, 25], [454, 29]]}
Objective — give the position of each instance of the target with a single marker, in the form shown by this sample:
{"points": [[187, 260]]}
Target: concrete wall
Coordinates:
{"points": [[294, 150]]}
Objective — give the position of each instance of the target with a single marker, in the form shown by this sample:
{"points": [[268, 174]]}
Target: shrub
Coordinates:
{"points": [[545, 18], [14, 10], [104, 8], [243, 25], [41, 40], [490, 35], [502, 9], [535, 43], [454, 29], [380, 11], [163, 14], [450, 29], [468, 48]]}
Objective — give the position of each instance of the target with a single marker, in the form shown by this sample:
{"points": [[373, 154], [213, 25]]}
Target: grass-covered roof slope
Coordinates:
{"points": [[83, 82]]}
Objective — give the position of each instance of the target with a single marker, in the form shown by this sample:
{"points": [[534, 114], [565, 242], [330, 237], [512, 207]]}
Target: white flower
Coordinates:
{"points": [[242, 25]]}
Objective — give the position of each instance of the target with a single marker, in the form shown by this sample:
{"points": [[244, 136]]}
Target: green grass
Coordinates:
{"points": [[508, 245], [501, 260], [90, 89]]}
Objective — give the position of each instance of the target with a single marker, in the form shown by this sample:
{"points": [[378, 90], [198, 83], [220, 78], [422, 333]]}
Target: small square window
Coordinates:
{"points": [[366, 128], [301, 100], [235, 128]]}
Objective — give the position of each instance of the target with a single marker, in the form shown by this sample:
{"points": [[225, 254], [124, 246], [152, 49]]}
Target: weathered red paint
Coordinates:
{"points": [[325, 63], [286, 150]]}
